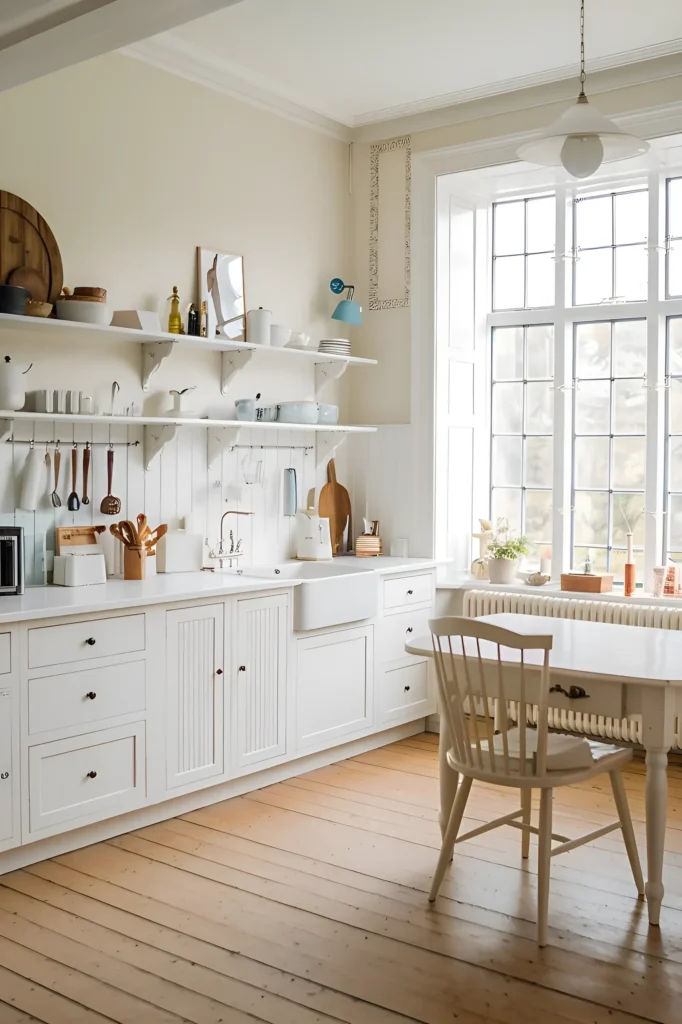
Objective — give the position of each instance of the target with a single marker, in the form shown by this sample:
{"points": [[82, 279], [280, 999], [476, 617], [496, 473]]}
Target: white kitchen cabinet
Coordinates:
{"points": [[335, 685], [260, 679], [194, 686], [404, 693], [7, 781]]}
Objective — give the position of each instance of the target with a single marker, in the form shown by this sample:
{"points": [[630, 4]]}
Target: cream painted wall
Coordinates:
{"points": [[133, 168]]}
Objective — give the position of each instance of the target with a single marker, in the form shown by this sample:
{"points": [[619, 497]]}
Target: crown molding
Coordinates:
{"points": [[189, 61]]}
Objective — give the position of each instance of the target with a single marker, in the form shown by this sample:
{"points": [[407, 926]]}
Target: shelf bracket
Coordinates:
{"points": [[231, 363], [153, 354], [156, 437], [220, 439], [327, 443], [5, 429], [326, 372]]}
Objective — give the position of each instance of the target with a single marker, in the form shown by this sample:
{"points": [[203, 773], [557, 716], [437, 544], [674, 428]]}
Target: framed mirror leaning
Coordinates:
{"points": [[221, 287]]}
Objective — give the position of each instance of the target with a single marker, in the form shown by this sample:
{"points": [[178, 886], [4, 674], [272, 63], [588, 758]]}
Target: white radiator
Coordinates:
{"points": [[480, 602]]}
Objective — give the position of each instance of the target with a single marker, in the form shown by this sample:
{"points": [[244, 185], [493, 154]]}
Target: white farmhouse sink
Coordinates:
{"points": [[328, 595]]}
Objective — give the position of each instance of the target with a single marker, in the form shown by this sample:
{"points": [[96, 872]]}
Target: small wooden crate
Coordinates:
{"points": [[368, 546], [586, 583]]}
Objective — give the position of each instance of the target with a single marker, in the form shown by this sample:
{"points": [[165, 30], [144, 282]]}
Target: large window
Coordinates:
{"points": [[585, 371]]}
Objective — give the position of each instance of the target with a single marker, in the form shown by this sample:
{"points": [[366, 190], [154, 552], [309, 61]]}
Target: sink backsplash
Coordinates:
{"points": [[179, 486]]}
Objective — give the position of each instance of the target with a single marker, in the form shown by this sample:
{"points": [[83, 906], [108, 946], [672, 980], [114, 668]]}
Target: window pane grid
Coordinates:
{"points": [[673, 233], [523, 253], [521, 436], [610, 233], [673, 455], [608, 460]]}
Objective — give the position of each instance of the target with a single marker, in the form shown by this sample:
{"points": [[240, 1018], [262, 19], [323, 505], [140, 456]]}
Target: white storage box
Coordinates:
{"points": [[79, 570]]}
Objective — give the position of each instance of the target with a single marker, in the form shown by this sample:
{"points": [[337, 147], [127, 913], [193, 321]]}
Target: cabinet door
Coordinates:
{"points": [[7, 781], [194, 694], [260, 681], [334, 686]]}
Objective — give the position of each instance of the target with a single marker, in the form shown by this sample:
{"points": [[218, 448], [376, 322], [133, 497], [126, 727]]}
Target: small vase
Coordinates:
{"points": [[502, 570]]}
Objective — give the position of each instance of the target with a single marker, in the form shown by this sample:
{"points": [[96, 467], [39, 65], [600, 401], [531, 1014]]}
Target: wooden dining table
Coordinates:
{"points": [[603, 670]]}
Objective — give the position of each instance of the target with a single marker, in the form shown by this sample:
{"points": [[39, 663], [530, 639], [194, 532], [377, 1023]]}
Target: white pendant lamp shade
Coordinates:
{"points": [[581, 139]]}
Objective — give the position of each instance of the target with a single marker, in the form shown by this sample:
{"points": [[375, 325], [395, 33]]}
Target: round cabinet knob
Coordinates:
{"points": [[407, 689], [242, 668], [91, 641], [410, 592], [91, 775], [4, 775], [91, 695], [218, 671]]}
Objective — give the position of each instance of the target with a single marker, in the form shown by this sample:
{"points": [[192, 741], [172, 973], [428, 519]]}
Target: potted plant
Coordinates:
{"points": [[504, 553]]}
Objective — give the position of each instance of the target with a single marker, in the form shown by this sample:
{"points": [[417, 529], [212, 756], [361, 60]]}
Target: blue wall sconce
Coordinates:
{"points": [[348, 311]]}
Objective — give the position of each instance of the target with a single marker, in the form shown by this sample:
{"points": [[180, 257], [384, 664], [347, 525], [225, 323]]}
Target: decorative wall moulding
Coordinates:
{"points": [[383, 162]]}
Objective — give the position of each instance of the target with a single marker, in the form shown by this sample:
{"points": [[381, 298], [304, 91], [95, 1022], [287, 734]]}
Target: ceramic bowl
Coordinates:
{"points": [[298, 412], [84, 312], [279, 335], [298, 339], [13, 298], [329, 415]]}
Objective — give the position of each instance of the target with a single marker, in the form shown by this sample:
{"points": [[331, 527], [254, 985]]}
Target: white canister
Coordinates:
{"points": [[12, 389], [258, 322]]}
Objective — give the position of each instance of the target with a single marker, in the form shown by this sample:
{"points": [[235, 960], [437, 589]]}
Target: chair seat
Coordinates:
{"points": [[569, 759]]}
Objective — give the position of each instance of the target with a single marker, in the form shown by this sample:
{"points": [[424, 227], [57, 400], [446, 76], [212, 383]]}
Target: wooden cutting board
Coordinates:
{"points": [[334, 505], [26, 241]]}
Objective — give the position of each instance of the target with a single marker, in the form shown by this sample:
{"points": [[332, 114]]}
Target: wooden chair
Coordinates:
{"points": [[484, 670]]}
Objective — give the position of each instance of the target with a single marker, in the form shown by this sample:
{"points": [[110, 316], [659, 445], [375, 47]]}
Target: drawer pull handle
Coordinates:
{"points": [[91, 775], [409, 629], [218, 671], [91, 641], [4, 775], [410, 592], [242, 668], [91, 695], [407, 689], [573, 692]]}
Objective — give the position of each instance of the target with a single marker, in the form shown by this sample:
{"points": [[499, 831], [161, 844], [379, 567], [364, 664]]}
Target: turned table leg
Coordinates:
{"points": [[658, 715]]}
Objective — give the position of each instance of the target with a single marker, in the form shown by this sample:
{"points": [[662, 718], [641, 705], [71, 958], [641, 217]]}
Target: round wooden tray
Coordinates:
{"points": [[27, 241]]}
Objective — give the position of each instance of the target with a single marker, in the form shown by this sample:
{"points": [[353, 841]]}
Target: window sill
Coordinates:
{"points": [[450, 579]]}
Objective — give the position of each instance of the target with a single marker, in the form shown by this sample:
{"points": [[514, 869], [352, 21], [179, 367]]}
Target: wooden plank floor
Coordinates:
{"points": [[305, 903]]}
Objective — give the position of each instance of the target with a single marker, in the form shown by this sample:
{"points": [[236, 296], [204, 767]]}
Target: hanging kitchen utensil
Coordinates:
{"points": [[31, 479], [73, 502], [56, 500], [335, 506], [111, 506], [86, 469], [289, 496]]}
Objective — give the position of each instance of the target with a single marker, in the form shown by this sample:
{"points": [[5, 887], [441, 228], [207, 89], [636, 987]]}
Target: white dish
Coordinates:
{"points": [[298, 412], [329, 415], [279, 335], [84, 312]]}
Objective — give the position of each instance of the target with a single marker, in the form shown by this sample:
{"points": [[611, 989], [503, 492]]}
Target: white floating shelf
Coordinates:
{"points": [[158, 345]]}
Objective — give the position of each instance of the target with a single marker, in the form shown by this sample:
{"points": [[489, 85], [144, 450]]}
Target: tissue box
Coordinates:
{"points": [[79, 570]]}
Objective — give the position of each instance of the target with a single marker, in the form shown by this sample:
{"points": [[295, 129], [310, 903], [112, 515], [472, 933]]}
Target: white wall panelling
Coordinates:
{"points": [[195, 683]]}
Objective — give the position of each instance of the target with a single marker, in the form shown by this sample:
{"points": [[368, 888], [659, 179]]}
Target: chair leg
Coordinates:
{"points": [[450, 835], [621, 801], [544, 855], [526, 798]]}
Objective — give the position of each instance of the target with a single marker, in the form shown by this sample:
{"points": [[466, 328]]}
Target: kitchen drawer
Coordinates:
{"points": [[81, 641], [394, 631], [405, 691], [86, 697], [86, 778], [406, 591], [5, 653]]}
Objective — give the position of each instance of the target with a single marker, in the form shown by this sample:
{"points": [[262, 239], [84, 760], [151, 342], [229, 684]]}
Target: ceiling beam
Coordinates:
{"points": [[98, 30]]}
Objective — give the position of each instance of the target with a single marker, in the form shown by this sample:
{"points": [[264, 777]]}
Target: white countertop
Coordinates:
{"points": [[50, 602]]}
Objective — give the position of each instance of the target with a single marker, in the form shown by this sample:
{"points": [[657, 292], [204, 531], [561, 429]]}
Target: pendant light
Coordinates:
{"points": [[581, 139]]}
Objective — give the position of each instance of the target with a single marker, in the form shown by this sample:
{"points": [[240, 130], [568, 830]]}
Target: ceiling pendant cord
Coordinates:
{"points": [[582, 98]]}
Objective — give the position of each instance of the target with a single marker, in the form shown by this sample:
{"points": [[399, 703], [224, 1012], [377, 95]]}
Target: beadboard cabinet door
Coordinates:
{"points": [[8, 786], [194, 694], [260, 679]]}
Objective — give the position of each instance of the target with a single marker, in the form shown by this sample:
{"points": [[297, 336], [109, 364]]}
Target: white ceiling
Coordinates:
{"points": [[363, 60]]}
